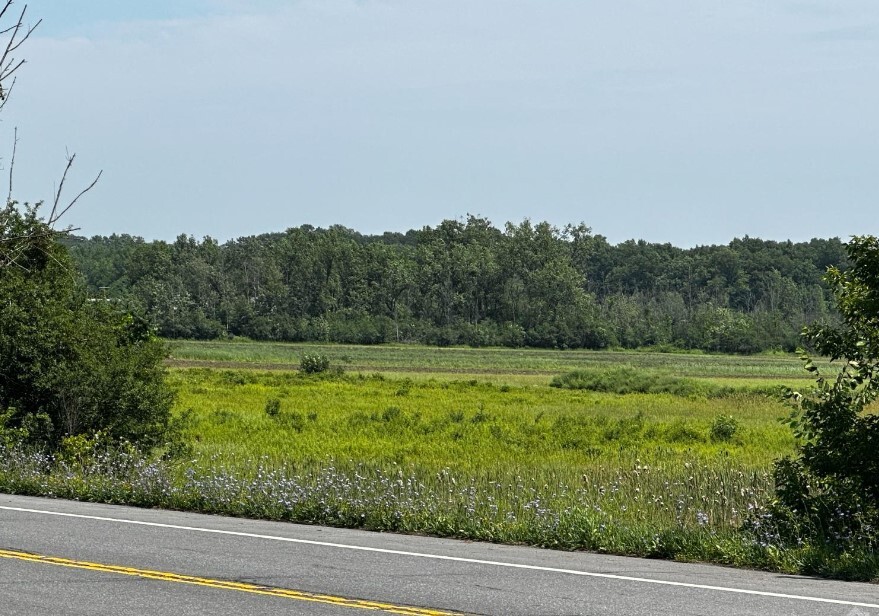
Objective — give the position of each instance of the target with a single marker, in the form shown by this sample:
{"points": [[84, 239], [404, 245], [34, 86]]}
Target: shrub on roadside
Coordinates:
{"points": [[69, 365], [828, 495]]}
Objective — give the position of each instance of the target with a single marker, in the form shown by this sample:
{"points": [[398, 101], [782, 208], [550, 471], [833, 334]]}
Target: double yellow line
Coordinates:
{"points": [[166, 576]]}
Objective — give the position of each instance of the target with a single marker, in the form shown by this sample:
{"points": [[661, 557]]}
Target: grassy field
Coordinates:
{"points": [[470, 408], [470, 443], [478, 439], [497, 365], [465, 424]]}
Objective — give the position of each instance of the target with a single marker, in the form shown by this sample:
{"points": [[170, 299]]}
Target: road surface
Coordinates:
{"points": [[65, 557]]}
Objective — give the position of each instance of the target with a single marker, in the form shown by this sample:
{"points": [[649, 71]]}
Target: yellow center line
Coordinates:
{"points": [[166, 576]]}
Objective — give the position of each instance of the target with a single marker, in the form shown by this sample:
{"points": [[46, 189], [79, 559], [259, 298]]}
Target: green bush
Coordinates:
{"points": [[68, 365], [293, 421], [273, 407], [314, 364], [723, 428], [828, 495]]}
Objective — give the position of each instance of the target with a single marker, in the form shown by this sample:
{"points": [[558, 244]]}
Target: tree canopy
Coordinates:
{"points": [[469, 282]]}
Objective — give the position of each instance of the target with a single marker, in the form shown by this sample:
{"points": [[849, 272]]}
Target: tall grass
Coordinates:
{"points": [[626, 379], [465, 425]]}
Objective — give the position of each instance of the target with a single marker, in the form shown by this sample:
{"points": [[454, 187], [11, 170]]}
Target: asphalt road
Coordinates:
{"points": [[64, 557]]}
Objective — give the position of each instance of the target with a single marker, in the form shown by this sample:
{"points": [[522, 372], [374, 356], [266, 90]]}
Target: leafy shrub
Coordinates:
{"points": [[312, 363], [273, 407], [681, 432], [723, 428], [631, 380], [480, 416], [625, 429], [829, 494], [69, 366], [293, 421], [512, 335], [391, 413]]}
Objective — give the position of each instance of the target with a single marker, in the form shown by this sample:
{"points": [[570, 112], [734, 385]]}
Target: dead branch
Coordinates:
{"points": [[13, 246], [70, 159], [12, 163], [57, 213], [7, 94], [19, 34], [53, 219]]}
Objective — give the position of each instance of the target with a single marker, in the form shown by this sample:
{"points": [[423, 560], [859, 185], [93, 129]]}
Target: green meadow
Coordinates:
{"points": [[474, 408], [465, 424], [478, 412], [495, 364], [478, 443], [650, 454]]}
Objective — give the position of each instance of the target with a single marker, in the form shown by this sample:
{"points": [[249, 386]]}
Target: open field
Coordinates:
{"points": [[464, 424], [416, 361], [468, 443], [478, 416], [475, 443]]}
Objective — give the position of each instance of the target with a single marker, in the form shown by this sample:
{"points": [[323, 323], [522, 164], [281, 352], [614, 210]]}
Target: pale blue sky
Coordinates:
{"points": [[684, 121]]}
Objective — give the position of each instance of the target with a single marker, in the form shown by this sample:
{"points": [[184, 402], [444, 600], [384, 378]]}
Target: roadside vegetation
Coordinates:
{"points": [[69, 365], [637, 474]]}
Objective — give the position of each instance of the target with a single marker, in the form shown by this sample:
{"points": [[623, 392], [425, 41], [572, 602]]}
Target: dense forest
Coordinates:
{"points": [[469, 282]]}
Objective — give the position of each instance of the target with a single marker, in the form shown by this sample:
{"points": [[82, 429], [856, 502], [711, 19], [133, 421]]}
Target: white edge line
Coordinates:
{"points": [[475, 561]]}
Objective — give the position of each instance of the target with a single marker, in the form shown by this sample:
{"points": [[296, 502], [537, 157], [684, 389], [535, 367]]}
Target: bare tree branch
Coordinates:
{"points": [[35, 233], [19, 34], [12, 163], [70, 159], [3, 12], [57, 213], [6, 94], [54, 218]]}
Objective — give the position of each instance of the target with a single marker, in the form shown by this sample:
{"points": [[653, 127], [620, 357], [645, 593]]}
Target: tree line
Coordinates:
{"points": [[469, 282]]}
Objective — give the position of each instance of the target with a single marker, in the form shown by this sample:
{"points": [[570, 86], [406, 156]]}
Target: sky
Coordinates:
{"points": [[684, 121]]}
